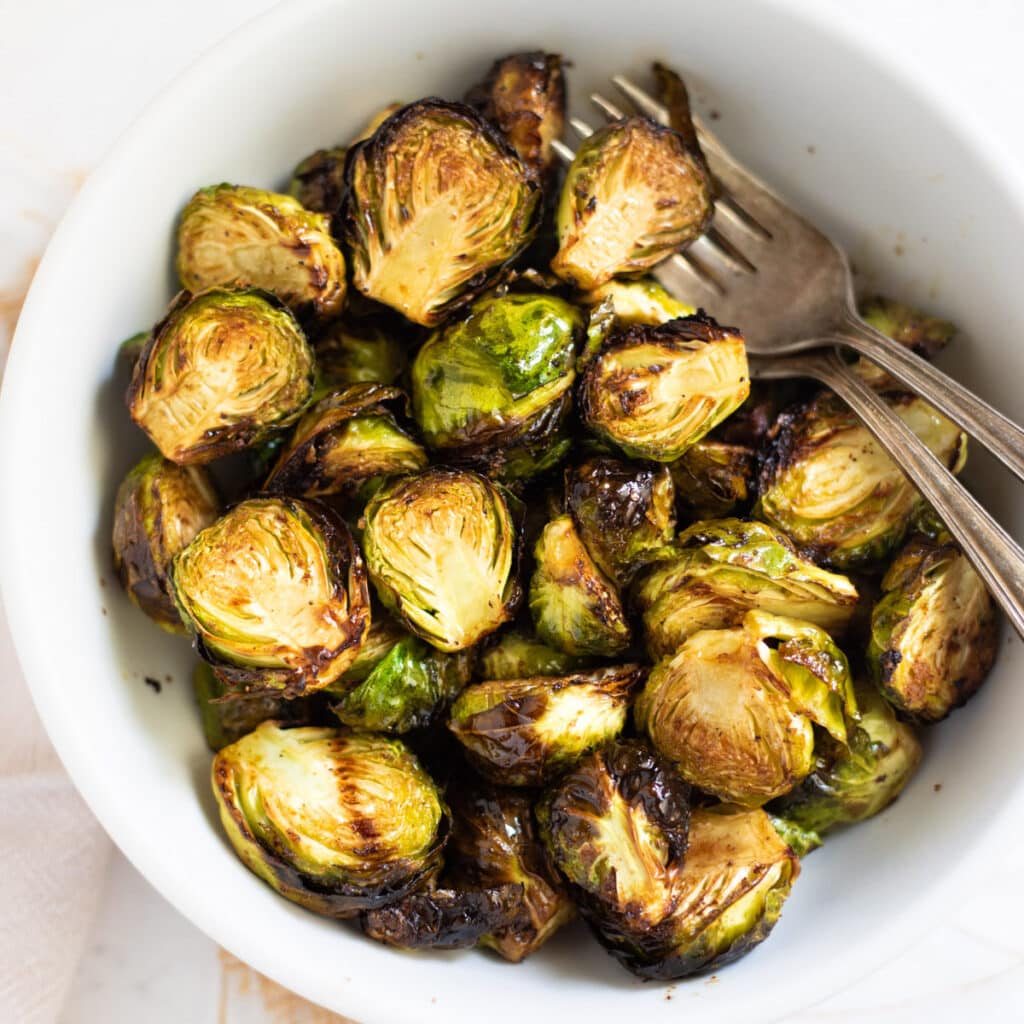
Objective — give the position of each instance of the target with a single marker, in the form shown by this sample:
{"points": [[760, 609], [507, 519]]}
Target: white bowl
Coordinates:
{"points": [[888, 170]]}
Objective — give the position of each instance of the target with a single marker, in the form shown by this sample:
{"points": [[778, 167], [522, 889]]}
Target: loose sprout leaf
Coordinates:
{"points": [[221, 372], [638, 302], [437, 202]]}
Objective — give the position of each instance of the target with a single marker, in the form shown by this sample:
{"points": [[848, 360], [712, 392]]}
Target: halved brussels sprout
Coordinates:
{"points": [[437, 201], [855, 780], [447, 918], [713, 479], [357, 354], [221, 372], [228, 716], [233, 236], [346, 440], [623, 511], [830, 485], [336, 821], [524, 95], [407, 689], [734, 708], [518, 656], [276, 593], [575, 607], [440, 548], [638, 302], [718, 570], [159, 508], [494, 842], [737, 875], [318, 181], [522, 732], [633, 195], [933, 633], [655, 391], [498, 382], [616, 827]]}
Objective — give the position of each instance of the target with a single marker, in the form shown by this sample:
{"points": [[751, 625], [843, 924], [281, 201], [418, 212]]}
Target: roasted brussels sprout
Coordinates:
{"points": [[232, 236], [338, 822], [933, 633], [346, 440], [638, 302], [855, 780], [734, 708], [276, 593], [357, 354], [718, 570], [518, 656], [437, 201], [318, 181], [407, 689], [655, 391], [382, 635], [633, 195], [737, 875], [221, 372], [498, 383], [228, 716], [159, 508], [440, 548], [575, 607], [925, 335], [829, 484], [799, 839], [623, 511], [713, 479], [750, 423], [524, 95], [494, 842], [616, 827], [522, 732]]}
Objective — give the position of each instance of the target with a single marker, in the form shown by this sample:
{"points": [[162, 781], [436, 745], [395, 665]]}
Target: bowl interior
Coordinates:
{"points": [[925, 214]]}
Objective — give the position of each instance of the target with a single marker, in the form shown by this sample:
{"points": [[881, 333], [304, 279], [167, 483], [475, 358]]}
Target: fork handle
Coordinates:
{"points": [[1003, 437], [998, 559]]}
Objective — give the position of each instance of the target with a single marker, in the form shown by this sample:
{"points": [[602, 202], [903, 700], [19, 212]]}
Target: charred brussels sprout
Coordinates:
{"points": [[440, 548], [318, 182], [633, 196], [713, 479], [933, 633], [734, 708], [717, 571], [737, 875], [227, 716], [642, 302], [522, 732], [498, 383], [829, 484], [623, 511], [655, 391], [406, 689], [232, 236], [437, 201], [338, 822], [346, 440], [159, 508], [575, 607], [276, 594], [494, 842], [221, 372], [518, 656], [357, 354], [923, 334], [855, 780], [382, 635], [616, 828], [524, 95]]}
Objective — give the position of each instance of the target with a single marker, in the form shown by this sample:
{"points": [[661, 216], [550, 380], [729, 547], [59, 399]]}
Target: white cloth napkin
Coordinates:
{"points": [[53, 857]]}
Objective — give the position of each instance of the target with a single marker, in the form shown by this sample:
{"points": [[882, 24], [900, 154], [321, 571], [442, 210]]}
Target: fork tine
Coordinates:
{"points": [[582, 129], [646, 103], [728, 252], [609, 109], [690, 263], [562, 151]]}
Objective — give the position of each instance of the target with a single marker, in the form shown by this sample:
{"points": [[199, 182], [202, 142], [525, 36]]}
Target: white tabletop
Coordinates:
{"points": [[72, 76]]}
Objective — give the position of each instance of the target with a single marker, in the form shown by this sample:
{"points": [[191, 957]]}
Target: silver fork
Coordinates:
{"points": [[993, 553], [789, 287]]}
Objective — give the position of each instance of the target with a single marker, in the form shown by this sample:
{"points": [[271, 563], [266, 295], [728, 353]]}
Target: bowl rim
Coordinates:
{"points": [[896, 933]]}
